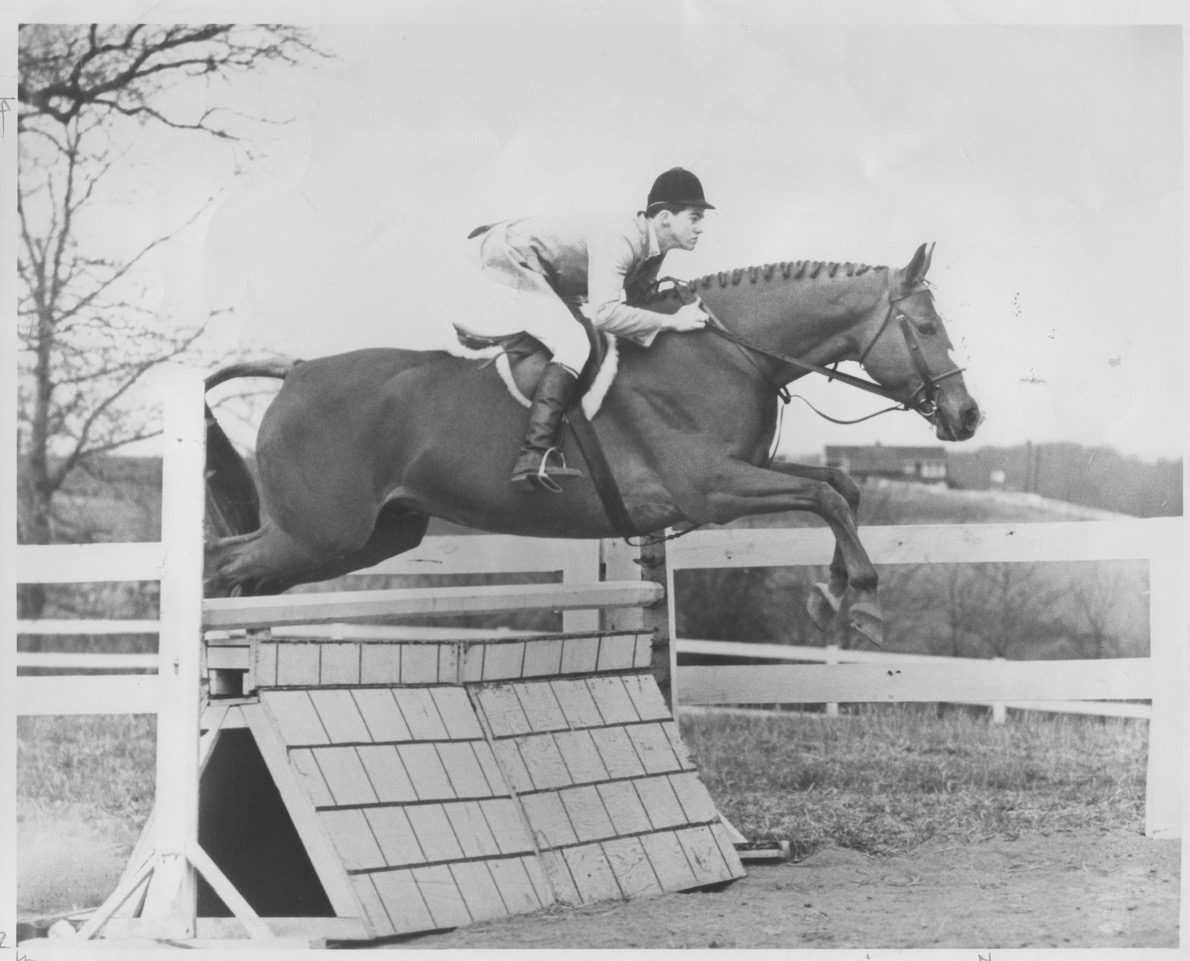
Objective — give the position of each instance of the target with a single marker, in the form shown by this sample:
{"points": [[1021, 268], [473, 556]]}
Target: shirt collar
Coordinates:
{"points": [[654, 244]]}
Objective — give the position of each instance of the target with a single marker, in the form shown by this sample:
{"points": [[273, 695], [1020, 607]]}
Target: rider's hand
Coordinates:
{"points": [[689, 317]]}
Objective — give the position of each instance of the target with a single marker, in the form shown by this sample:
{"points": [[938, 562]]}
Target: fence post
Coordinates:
{"points": [[660, 619], [619, 561], [581, 566], [180, 650], [170, 899], [1167, 640], [999, 708], [832, 657]]}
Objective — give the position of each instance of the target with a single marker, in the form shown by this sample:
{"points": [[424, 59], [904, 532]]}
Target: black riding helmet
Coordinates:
{"points": [[677, 187]]}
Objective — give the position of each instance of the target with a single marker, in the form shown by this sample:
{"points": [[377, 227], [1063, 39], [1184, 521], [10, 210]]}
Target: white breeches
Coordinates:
{"points": [[516, 299]]}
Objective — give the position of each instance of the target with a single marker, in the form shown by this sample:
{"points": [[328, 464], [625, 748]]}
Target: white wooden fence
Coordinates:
{"points": [[834, 655], [862, 678]]}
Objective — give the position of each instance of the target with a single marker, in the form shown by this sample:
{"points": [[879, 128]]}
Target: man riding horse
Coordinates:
{"points": [[543, 265]]}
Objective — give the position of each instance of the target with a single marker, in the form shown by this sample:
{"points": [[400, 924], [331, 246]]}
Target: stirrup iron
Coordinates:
{"points": [[544, 480]]}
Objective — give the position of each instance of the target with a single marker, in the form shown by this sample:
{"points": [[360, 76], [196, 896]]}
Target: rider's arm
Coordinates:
{"points": [[610, 259]]}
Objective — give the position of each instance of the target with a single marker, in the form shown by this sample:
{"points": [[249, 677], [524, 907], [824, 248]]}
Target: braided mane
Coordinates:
{"points": [[789, 270]]}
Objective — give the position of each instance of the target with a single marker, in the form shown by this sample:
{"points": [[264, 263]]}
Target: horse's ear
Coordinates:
{"points": [[916, 271]]}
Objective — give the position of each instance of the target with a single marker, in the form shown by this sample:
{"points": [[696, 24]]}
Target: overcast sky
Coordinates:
{"points": [[1044, 161]]}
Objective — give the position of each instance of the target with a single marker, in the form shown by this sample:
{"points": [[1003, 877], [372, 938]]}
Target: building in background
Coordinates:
{"points": [[924, 465]]}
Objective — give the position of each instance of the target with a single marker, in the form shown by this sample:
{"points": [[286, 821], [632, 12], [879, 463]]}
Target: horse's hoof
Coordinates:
{"points": [[867, 622], [822, 606]]}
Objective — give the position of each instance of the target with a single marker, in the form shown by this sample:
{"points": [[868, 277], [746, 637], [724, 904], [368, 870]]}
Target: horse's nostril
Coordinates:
{"points": [[972, 416]]}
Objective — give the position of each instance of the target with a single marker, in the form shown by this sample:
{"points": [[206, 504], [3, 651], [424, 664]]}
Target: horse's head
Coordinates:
{"points": [[905, 348]]}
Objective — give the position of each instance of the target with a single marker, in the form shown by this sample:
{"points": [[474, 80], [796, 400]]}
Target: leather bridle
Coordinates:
{"points": [[928, 388], [922, 399]]}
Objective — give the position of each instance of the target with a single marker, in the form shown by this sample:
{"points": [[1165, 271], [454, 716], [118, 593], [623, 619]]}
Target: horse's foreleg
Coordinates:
{"points": [[738, 489], [826, 599]]}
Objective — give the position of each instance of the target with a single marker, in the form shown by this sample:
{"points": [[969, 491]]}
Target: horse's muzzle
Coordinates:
{"points": [[959, 425]]}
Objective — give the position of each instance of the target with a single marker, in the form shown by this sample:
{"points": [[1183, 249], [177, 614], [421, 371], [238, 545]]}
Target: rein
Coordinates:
{"points": [[928, 388]]}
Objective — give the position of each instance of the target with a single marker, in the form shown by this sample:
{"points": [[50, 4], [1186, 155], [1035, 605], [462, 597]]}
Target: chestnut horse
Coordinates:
{"points": [[359, 450]]}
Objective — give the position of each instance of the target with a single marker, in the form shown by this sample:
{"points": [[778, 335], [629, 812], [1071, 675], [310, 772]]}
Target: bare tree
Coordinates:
{"points": [[1017, 606], [89, 330], [959, 608], [1104, 601]]}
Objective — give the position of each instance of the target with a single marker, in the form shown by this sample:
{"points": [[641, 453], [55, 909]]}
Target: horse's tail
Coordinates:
{"points": [[233, 504]]}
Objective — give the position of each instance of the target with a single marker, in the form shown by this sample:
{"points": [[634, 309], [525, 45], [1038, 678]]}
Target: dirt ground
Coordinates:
{"points": [[1063, 890], [1086, 890]]}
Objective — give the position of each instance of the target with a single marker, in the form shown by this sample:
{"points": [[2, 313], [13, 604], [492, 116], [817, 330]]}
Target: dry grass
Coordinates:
{"points": [[893, 776], [881, 780], [87, 766]]}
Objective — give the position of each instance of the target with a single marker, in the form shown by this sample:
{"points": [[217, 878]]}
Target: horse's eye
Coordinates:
{"points": [[926, 326]]}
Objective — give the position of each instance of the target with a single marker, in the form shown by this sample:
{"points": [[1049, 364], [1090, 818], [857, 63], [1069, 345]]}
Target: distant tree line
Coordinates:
{"points": [[1098, 477], [1018, 611]]}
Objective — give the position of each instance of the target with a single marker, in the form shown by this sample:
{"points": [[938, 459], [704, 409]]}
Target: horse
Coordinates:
{"points": [[359, 450]]}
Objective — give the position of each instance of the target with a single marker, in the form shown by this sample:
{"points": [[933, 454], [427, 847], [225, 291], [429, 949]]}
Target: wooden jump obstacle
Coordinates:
{"points": [[354, 786]]}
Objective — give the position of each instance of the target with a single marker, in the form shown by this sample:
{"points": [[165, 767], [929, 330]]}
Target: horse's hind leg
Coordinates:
{"points": [[397, 530], [825, 600], [269, 561]]}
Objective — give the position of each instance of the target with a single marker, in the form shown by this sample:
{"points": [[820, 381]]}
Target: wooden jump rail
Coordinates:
{"points": [[348, 606]]}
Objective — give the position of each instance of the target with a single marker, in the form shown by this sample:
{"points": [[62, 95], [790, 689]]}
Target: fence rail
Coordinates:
{"points": [[833, 655]]}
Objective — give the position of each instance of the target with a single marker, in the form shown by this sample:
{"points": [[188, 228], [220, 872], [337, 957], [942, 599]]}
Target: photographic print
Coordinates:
{"points": [[620, 476]]}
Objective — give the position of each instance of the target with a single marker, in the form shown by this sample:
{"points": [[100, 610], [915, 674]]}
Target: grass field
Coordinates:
{"points": [[889, 777], [880, 780]]}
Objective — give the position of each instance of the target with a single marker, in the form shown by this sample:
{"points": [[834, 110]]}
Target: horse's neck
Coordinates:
{"points": [[814, 319]]}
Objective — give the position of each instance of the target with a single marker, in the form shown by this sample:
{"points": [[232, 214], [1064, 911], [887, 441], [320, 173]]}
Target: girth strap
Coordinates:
{"points": [[601, 471]]}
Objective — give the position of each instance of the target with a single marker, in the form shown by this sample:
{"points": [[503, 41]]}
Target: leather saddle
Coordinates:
{"points": [[526, 358]]}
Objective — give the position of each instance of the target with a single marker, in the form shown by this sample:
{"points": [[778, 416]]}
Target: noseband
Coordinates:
{"points": [[921, 400]]}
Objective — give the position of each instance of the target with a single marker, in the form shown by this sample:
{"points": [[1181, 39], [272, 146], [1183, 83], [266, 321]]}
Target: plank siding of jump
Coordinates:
{"points": [[278, 660], [319, 608], [1121, 679], [598, 772], [448, 802]]}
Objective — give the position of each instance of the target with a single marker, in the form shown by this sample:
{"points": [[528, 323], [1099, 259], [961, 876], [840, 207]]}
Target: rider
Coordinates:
{"points": [[540, 262]]}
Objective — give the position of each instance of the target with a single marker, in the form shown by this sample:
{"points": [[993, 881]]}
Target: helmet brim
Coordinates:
{"points": [[700, 204]]}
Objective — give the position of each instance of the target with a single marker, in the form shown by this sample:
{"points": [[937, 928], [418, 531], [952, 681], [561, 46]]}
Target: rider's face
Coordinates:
{"points": [[680, 229]]}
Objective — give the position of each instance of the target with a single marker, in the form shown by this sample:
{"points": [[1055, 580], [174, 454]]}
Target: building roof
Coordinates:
{"points": [[878, 456]]}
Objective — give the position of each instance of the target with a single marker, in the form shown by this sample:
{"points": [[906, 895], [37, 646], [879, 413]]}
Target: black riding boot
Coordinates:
{"points": [[540, 460]]}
